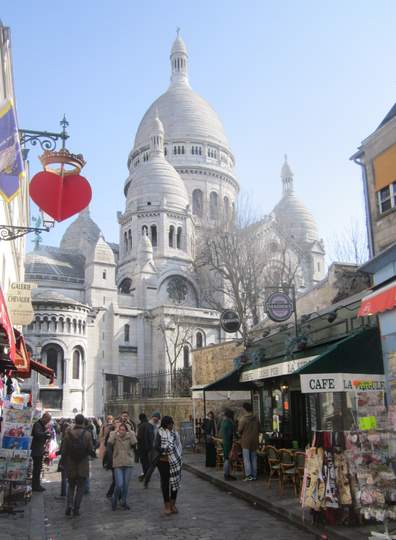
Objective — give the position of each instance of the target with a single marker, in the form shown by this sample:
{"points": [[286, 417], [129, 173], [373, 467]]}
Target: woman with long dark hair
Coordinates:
{"points": [[169, 464]]}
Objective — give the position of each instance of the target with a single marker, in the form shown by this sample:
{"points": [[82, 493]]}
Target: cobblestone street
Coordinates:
{"points": [[204, 513]]}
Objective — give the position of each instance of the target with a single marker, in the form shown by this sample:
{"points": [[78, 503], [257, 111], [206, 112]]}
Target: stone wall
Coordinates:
{"points": [[212, 362], [180, 409]]}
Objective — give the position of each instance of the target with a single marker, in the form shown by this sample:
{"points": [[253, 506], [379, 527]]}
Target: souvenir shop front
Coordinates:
{"points": [[290, 415], [17, 414]]}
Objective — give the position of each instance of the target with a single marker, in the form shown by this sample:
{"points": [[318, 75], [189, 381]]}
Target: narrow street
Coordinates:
{"points": [[204, 513]]}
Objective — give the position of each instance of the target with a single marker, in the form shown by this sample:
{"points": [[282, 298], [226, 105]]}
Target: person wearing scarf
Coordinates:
{"points": [[170, 463]]}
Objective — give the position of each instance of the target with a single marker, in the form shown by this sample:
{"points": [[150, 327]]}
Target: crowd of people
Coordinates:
{"points": [[246, 431], [119, 443]]}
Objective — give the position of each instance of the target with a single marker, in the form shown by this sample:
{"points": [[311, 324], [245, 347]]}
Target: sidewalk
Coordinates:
{"points": [[285, 506], [29, 525]]}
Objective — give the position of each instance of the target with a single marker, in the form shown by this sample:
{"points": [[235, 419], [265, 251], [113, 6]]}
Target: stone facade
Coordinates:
{"points": [[211, 363]]}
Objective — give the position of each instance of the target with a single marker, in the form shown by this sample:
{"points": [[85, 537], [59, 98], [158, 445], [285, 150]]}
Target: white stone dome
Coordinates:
{"points": [[156, 181], [81, 232], [291, 214], [184, 114]]}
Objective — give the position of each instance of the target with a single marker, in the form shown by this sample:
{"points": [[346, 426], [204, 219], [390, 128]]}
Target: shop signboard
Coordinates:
{"points": [[187, 436], [275, 370], [279, 306], [19, 301], [230, 321], [341, 382]]}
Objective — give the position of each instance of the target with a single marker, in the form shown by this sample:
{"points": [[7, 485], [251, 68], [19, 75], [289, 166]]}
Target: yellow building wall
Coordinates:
{"points": [[385, 168]]}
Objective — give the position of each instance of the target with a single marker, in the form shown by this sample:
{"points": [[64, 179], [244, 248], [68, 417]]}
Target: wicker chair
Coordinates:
{"points": [[273, 460], [288, 470]]}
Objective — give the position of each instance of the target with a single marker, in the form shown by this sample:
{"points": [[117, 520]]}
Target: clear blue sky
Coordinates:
{"points": [[307, 78]]}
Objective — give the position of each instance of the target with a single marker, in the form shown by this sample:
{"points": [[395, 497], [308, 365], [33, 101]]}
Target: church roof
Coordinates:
{"points": [[391, 114], [81, 233], [184, 114], [52, 263], [52, 297], [295, 219]]}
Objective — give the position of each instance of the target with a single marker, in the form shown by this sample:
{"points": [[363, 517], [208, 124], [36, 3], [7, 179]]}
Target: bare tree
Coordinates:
{"points": [[238, 260], [350, 246]]}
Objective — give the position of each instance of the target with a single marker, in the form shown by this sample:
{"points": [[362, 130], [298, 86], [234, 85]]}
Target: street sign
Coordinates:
{"points": [[230, 321], [279, 306]]}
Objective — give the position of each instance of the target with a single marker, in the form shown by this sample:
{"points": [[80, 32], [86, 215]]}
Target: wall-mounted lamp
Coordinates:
{"points": [[284, 387]]}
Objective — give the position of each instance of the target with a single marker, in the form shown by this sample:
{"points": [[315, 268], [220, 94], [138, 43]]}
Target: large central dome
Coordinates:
{"points": [[184, 114]]}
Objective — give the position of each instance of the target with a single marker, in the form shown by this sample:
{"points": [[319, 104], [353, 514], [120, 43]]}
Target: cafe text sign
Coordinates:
{"points": [[19, 302], [341, 382], [275, 370]]}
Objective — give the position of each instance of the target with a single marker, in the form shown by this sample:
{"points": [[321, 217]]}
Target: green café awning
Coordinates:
{"points": [[358, 353]]}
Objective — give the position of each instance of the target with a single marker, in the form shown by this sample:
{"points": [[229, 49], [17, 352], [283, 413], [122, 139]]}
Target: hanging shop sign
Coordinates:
{"points": [[275, 370], [230, 321], [61, 193], [11, 163], [279, 306], [19, 301], [341, 382]]}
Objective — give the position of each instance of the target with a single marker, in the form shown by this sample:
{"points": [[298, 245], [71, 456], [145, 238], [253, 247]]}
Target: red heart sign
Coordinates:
{"points": [[60, 197]]}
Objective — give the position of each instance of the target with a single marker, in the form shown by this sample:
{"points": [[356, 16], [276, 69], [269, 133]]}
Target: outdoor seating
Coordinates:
{"points": [[219, 456], [273, 459], [299, 458], [288, 470]]}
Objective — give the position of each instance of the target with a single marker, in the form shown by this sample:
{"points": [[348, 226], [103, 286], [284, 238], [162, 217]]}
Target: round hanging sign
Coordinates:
{"points": [[230, 321], [279, 306]]}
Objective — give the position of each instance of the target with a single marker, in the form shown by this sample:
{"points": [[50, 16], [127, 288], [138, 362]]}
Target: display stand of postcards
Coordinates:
{"points": [[15, 461], [370, 454]]}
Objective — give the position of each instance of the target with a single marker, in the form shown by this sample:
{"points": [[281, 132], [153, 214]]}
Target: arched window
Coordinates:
{"points": [[197, 202], [130, 239], [68, 326], [74, 326], [186, 356], [178, 237], [76, 364], [52, 356], [226, 208], [126, 241], [193, 150], [175, 150], [153, 229], [214, 205], [171, 236], [126, 333], [199, 340], [125, 286], [144, 230]]}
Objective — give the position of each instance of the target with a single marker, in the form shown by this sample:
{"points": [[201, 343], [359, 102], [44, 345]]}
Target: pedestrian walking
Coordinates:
{"points": [[122, 442], [169, 464], [227, 434], [104, 431], [40, 436], [143, 447], [62, 464], [77, 447], [124, 419], [153, 453], [249, 428], [210, 430]]}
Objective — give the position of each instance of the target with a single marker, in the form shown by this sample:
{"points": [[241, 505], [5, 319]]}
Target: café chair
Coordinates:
{"points": [[219, 456], [299, 458], [273, 460], [288, 469]]}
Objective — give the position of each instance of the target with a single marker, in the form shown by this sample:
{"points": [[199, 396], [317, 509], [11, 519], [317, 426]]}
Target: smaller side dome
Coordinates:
{"points": [[102, 252]]}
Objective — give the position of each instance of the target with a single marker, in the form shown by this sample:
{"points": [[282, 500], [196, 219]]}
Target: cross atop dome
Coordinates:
{"points": [[287, 177], [179, 58]]}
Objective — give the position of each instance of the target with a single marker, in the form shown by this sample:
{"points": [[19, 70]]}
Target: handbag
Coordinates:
{"points": [[234, 453], [108, 457]]}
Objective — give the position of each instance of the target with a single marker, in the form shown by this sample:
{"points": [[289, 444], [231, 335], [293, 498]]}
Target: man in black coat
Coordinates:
{"points": [[40, 437]]}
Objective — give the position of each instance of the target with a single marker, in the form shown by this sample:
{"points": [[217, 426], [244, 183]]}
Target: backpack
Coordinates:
{"points": [[77, 448]]}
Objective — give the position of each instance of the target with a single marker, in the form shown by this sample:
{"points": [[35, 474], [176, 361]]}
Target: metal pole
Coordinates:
{"points": [[293, 290], [204, 398]]}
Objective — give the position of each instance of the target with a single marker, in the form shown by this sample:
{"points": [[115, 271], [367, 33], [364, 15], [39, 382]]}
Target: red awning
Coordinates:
{"points": [[22, 356], [6, 331], [379, 301], [43, 370]]}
